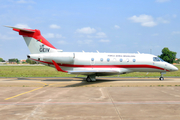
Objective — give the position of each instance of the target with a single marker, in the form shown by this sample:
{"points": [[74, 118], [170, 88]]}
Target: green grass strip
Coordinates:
{"points": [[45, 71]]}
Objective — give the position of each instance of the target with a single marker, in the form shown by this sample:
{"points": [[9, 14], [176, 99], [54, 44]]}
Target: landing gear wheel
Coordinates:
{"points": [[88, 79], [91, 78], [161, 78]]}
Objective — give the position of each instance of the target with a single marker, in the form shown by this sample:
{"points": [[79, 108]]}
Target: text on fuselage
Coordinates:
{"points": [[121, 56], [42, 49]]}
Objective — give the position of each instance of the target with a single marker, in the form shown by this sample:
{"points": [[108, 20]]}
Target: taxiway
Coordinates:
{"points": [[73, 98]]}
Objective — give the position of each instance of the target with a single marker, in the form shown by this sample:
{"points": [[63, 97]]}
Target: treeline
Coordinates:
{"points": [[16, 61], [168, 56], [30, 61], [1, 60]]}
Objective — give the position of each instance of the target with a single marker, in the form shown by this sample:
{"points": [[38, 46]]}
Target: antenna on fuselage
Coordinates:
{"points": [[138, 52], [97, 51]]}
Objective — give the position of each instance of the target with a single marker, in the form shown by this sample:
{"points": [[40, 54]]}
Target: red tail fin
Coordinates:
{"points": [[36, 34]]}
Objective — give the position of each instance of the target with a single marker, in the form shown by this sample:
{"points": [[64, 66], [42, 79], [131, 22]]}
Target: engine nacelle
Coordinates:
{"points": [[57, 57]]}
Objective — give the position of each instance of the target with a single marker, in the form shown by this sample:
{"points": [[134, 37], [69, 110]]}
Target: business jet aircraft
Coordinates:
{"points": [[87, 63]]}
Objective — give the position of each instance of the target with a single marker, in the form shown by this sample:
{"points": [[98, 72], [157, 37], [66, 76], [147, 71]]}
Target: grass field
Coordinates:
{"points": [[44, 71]]}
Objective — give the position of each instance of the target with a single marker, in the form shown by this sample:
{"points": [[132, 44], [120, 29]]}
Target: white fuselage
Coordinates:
{"points": [[121, 62]]}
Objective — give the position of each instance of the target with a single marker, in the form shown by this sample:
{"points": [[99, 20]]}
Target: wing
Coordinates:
{"points": [[97, 72]]}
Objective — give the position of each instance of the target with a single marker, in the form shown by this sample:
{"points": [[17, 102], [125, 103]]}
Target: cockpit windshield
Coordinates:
{"points": [[157, 59], [161, 59]]}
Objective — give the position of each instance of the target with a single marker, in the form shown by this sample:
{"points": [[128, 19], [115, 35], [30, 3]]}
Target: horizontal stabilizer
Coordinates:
{"points": [[22, 29]]}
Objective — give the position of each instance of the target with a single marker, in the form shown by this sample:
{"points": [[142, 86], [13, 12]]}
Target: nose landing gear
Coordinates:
{"points": [[162, 78]]}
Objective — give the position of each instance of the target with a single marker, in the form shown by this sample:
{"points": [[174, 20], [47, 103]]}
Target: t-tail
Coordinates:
{"points": [[36, 43]]}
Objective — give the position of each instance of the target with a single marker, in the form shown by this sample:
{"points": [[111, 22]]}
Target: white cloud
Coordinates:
{"points": [[25, 1], [162, 20], [62, 42], [54, 26], [100, 35], [86, 30], [175, 32], [104, 41], [161, 1], [116, 26], [84, 41], [22, 26], [145, 20], [52, 35], [49, 35], [59, 36]]}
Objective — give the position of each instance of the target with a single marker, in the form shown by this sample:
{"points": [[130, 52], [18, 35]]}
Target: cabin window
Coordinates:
{"points": [[121, 60], [73, 55], [101, 59], [92, 59], [156, 59], [127, 60], [108, 59], [134, 60]]}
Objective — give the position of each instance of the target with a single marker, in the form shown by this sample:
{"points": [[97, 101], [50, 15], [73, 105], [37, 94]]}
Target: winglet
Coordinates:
{"points": [[57, 67]]}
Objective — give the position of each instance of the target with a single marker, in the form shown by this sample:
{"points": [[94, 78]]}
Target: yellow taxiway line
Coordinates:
{"points": [[23, 93], [27, 91]]}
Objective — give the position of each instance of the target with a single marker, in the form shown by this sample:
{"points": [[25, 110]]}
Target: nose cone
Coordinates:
{"points": [[173, 68]]}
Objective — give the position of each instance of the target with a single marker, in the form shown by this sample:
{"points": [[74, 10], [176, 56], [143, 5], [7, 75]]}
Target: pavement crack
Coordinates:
{"points": [[116, 109], [38, 107]]}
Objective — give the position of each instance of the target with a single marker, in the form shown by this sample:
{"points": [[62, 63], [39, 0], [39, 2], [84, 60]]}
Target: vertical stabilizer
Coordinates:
{"points": [[35, 41]]}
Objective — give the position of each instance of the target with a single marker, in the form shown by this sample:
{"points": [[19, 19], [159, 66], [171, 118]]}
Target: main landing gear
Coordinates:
{"points": [[162, 78], [91, 78]]}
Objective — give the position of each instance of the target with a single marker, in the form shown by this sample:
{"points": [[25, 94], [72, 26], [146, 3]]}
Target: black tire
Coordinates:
{"points": [[88, 79], [161, 78]]}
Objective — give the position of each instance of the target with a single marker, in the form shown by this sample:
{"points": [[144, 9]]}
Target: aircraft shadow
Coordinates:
{"points": [[83, 81], [97, 79]]}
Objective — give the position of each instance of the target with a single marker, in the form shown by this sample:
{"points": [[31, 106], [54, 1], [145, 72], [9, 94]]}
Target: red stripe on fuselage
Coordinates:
{"points": [[104, 66]]}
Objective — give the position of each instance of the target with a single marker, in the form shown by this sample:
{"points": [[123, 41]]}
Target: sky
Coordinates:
{"points": [[115, 26]]}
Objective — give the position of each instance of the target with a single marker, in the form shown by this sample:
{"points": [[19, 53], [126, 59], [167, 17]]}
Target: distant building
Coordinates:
{"points": [[22, 61], [3, 62]]}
